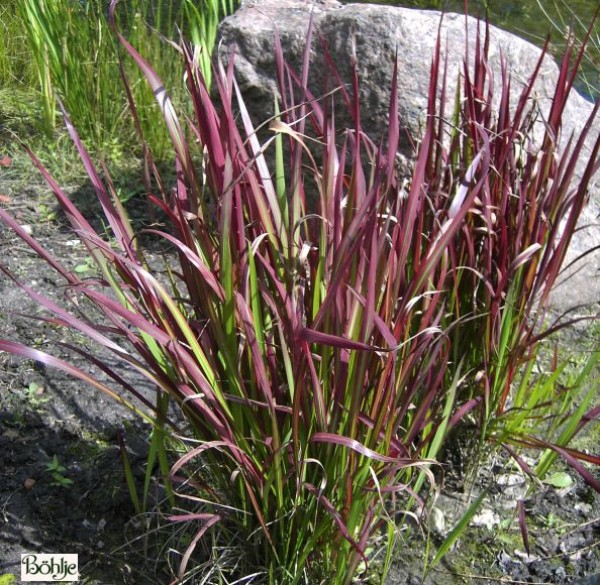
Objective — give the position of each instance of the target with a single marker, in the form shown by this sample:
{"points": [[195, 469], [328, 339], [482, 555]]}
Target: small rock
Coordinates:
{"points": [[437, 522], [486, 519], [560, 573], [583, 508], [510, 479], [31, 537], [29, 483], [507, 563], [88, 525], [27, 229], [526, 557], [514, 487]]}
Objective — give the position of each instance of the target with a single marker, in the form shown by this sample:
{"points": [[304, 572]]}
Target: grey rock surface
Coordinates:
{"points": [[375, 34]]}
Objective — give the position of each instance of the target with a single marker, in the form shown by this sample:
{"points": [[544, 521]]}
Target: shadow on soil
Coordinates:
{"points": [[61, 493]]}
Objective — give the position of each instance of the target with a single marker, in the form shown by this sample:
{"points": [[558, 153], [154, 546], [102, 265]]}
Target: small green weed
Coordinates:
{"points": [[35, 395], [56, 470], [84, 267]]}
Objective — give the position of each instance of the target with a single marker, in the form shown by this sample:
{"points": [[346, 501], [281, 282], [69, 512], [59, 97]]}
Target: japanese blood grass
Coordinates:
{"points": [[508, 255], [322, 351], [76, 58]]}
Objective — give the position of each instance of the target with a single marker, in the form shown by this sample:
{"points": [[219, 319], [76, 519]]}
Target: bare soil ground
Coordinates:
{"points": [[48, 421]]}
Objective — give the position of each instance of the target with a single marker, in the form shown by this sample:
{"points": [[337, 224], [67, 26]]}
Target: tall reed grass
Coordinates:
{"points": [[15, 63], [76, 59]]}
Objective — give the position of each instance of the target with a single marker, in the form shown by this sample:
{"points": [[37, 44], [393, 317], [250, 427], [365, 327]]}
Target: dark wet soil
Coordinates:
{"points": [[62, 487]]}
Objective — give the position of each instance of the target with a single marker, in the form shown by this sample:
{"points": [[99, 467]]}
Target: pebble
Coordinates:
{"points": [[560, 573], [486, 519], [526, 557], [437, 522]]}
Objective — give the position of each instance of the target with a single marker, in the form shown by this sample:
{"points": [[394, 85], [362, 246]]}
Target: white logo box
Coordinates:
{"points": [[49, 567]]}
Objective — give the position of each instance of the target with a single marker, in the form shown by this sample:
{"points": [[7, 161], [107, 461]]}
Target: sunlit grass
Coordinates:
{"points": [[70, 51], [321, 334]]}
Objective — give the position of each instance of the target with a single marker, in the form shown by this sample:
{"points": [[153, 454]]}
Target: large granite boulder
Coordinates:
{"points": [[376, 34]]}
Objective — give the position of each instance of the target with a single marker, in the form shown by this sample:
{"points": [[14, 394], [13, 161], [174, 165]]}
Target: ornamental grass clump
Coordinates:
{"points": [[76, 57], [510, 251], [323, 325]]}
